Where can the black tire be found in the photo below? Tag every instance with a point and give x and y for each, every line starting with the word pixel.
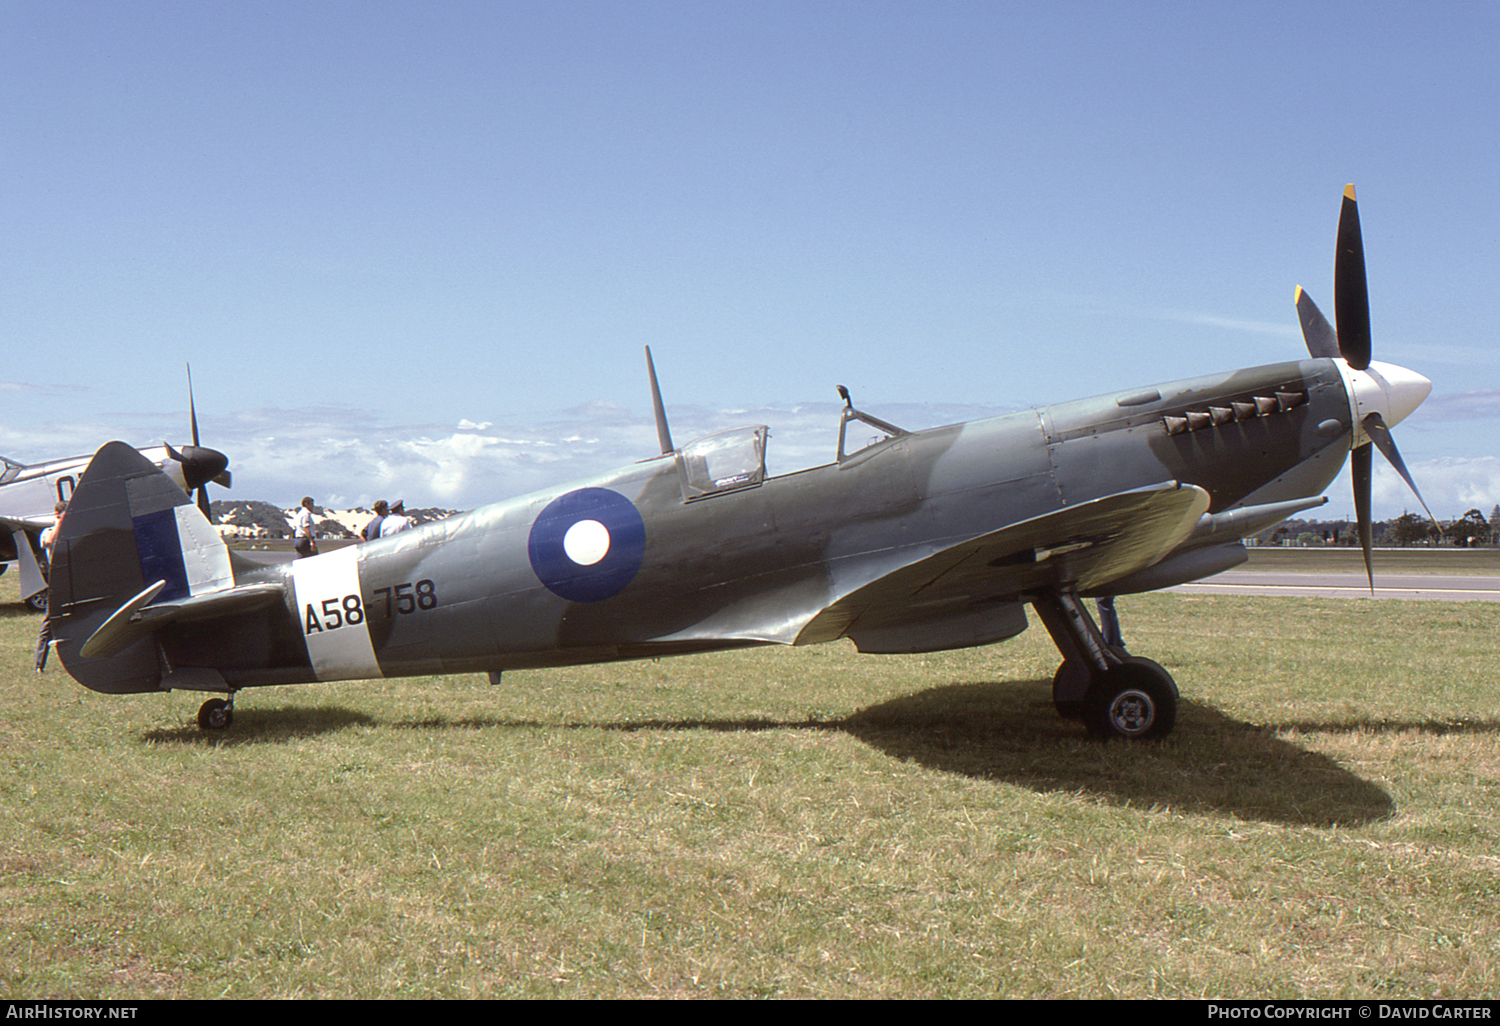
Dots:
pixel 215 714
pixel 38 602
pixel 1136 701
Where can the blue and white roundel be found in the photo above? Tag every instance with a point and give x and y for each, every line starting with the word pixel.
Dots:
pixel 586 546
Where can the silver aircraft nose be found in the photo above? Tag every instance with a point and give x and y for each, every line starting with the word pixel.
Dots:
pixel 1386 389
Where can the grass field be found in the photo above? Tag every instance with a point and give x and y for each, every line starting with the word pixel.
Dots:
pixel 799 823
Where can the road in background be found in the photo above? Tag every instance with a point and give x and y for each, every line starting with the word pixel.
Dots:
pixel 1337 585
pixel 1444 575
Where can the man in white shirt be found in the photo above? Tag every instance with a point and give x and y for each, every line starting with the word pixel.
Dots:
pixel 397 520
pixel 302 529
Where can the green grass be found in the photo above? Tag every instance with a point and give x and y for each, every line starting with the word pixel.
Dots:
pixel 798 823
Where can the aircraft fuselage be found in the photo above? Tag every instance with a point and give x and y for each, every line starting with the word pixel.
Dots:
pixel 499 588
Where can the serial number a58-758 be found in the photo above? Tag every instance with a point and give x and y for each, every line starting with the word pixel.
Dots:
pixel 350 611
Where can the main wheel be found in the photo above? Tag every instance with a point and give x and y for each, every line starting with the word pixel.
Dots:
pixel 1136 700
pixel 38 602
pixel 215 714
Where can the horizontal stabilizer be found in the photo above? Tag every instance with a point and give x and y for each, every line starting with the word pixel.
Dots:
pixel 138 618
pixel 33 524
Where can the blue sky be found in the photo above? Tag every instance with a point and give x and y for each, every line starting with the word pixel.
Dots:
pixel 416 249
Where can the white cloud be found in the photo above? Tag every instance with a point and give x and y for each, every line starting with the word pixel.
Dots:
pixel 348 457
pixel 1452 485
pixel 1474 405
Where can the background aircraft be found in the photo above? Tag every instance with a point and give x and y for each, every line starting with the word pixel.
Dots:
pixel 905 542
pixel 30 494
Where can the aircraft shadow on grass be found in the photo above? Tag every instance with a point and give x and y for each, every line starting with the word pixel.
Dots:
pixel 1006 731
pixel 268 727
pixel 1003 731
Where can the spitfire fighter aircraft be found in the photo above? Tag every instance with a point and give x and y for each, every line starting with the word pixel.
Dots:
pixel 910 542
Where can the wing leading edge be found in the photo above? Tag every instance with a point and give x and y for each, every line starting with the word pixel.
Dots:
pixel 971 592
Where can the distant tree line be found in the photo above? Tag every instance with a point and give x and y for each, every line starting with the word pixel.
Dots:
pixel 1470 530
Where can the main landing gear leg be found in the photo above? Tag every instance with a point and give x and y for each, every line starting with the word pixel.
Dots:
pixel 217 713
pixel 1114 693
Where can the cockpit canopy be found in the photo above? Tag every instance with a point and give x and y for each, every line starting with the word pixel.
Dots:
pixel 725 461
pixel 733 460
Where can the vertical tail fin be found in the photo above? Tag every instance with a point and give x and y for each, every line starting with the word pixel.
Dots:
pixel 128 530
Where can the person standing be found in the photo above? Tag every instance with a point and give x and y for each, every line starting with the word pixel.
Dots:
pixel 1109 621
pixel 44 637
pixel 302 529
pixel 372 529
pixel 398 521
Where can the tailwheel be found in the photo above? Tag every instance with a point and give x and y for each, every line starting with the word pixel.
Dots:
pixel 216 714
pixel 1136 700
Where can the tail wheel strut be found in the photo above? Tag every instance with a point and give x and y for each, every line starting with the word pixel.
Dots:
pixel 216 713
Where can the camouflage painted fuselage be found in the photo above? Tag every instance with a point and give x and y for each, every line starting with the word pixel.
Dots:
pixel 794 559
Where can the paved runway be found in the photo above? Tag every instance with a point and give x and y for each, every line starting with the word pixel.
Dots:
pixel 1332 585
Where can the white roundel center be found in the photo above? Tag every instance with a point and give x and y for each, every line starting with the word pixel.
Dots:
pixel 586 542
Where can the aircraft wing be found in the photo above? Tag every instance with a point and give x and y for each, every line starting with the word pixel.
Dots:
pixel 24 532
pixel 1085 546
pixel 31 525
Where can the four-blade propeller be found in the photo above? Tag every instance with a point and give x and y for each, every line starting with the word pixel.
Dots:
pixel 1382 393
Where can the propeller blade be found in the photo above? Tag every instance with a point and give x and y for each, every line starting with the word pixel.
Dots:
pixel 1376 429
pixel 192 410
pixel 1351 297
pixel 1359 462
pixel 1395 390
pixel 200 465
pixel 1322 341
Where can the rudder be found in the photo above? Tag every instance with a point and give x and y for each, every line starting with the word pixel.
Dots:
pixel 127 528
